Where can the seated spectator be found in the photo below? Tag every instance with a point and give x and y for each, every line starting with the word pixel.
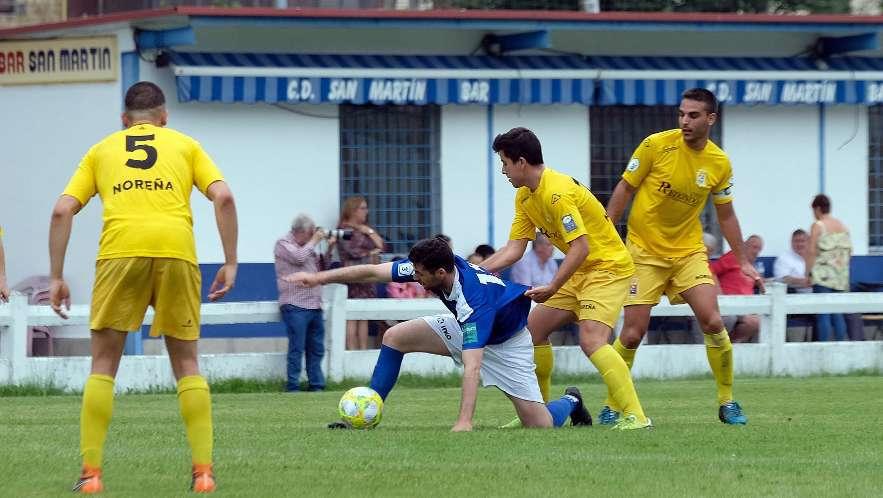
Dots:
pixel 790 266
pixel 484 250
pixel 728 273
pixel 406 290
pixel 536 267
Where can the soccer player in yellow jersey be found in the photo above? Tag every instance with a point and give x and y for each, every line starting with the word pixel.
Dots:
pixel 147 256
pixel 671 175
pixel 592 282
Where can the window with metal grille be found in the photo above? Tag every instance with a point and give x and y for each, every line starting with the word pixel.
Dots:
pixel 616 131
pixel 875 179
pixel 390 156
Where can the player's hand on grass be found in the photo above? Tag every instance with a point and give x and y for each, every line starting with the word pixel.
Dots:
pixel 541 293
pixel 462 427
pixel 59 295
pixel 224 280
pixel 303 279
pixel 750 272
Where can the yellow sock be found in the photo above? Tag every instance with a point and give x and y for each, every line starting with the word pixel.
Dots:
pixel 196 410
pixel 545 361
pixel 95 418
pixel 616 375
pixel 628 356
pixel 720 358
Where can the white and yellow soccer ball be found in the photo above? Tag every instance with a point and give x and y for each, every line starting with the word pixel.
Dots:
pixel 360 408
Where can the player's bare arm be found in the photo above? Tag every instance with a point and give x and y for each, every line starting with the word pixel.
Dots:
pixel 811 251
pixel 59 234
pixel 729 223
pixel 622 194
pixel 471 371
pixel 225 216
pixel 4 288
pixel 346 275
pixel 506 256
pixel 576 254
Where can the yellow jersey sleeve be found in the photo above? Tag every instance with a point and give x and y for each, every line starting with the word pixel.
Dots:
pixel 522 226
pixel 566 217
pixel 82 185
pixel 640 163
pixel 205 172
pixel 722 193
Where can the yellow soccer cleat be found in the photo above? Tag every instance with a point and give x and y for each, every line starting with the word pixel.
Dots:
pixel 631 422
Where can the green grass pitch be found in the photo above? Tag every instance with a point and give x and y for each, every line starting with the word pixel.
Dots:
pixel 806 437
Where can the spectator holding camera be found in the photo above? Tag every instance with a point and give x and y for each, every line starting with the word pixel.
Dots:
pixel 363 247
pixel 301 307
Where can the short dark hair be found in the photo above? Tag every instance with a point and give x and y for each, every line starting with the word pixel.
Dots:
pixel 520 142
pixel 443 237
pixel 484 250
pixel 432 254
pixel 143 96
pixel 822 202
pixel 797 232
pixel 704 96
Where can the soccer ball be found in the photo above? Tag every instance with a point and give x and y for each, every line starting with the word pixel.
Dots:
pixel 360 408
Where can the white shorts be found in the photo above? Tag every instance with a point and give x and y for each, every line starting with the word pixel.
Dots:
pixel 509 366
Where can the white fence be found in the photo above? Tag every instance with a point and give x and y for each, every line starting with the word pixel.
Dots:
pixel 771 356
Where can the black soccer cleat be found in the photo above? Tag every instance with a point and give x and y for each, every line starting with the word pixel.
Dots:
pixel 338 425
pixel 579 415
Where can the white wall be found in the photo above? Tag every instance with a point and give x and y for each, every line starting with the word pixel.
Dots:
pixel 564 133
pixel 278 163
pixel 47 130
pixel 464 153
pixel 846 169
pixel 775 156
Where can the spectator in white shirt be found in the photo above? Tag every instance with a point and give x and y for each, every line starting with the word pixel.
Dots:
pixel 790 267
pixel 537 266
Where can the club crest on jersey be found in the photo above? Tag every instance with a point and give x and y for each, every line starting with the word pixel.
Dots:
pixel 555 198
pixel 701 178
pixel 634 164
pixel 568 222
pixel 633 288
pixel 406 269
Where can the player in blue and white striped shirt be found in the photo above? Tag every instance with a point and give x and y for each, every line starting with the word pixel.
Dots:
pixel 486 333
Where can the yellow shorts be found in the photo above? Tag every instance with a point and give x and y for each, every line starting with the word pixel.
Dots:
pixel 124 287
pixel 593 295
pixel 655 275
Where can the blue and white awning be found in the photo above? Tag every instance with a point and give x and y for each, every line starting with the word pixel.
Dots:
pixel 568 79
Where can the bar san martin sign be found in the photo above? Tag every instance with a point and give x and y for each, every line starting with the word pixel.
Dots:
pixel 63 60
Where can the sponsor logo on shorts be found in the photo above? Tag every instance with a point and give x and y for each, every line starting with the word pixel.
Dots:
pixel 188 324
pixel 568 222
pixel 587 306
pixel 406 269
pixel 470 332
pixel 633 165
pixel 703 277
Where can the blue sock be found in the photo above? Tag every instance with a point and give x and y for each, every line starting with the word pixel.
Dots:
pixel 560 409
pixel 386 371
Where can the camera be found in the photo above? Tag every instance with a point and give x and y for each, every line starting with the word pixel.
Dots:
pixel 338 233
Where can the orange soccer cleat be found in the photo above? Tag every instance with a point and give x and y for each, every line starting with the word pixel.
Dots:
pixel 89 482
pixel 203 479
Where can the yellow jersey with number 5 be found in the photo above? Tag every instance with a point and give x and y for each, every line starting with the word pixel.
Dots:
pixel 563 209
pixel 144 176
pixel 673 183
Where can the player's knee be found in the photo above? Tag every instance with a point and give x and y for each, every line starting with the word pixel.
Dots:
pixel 630 337
pixel 712 323
pixel 393 337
